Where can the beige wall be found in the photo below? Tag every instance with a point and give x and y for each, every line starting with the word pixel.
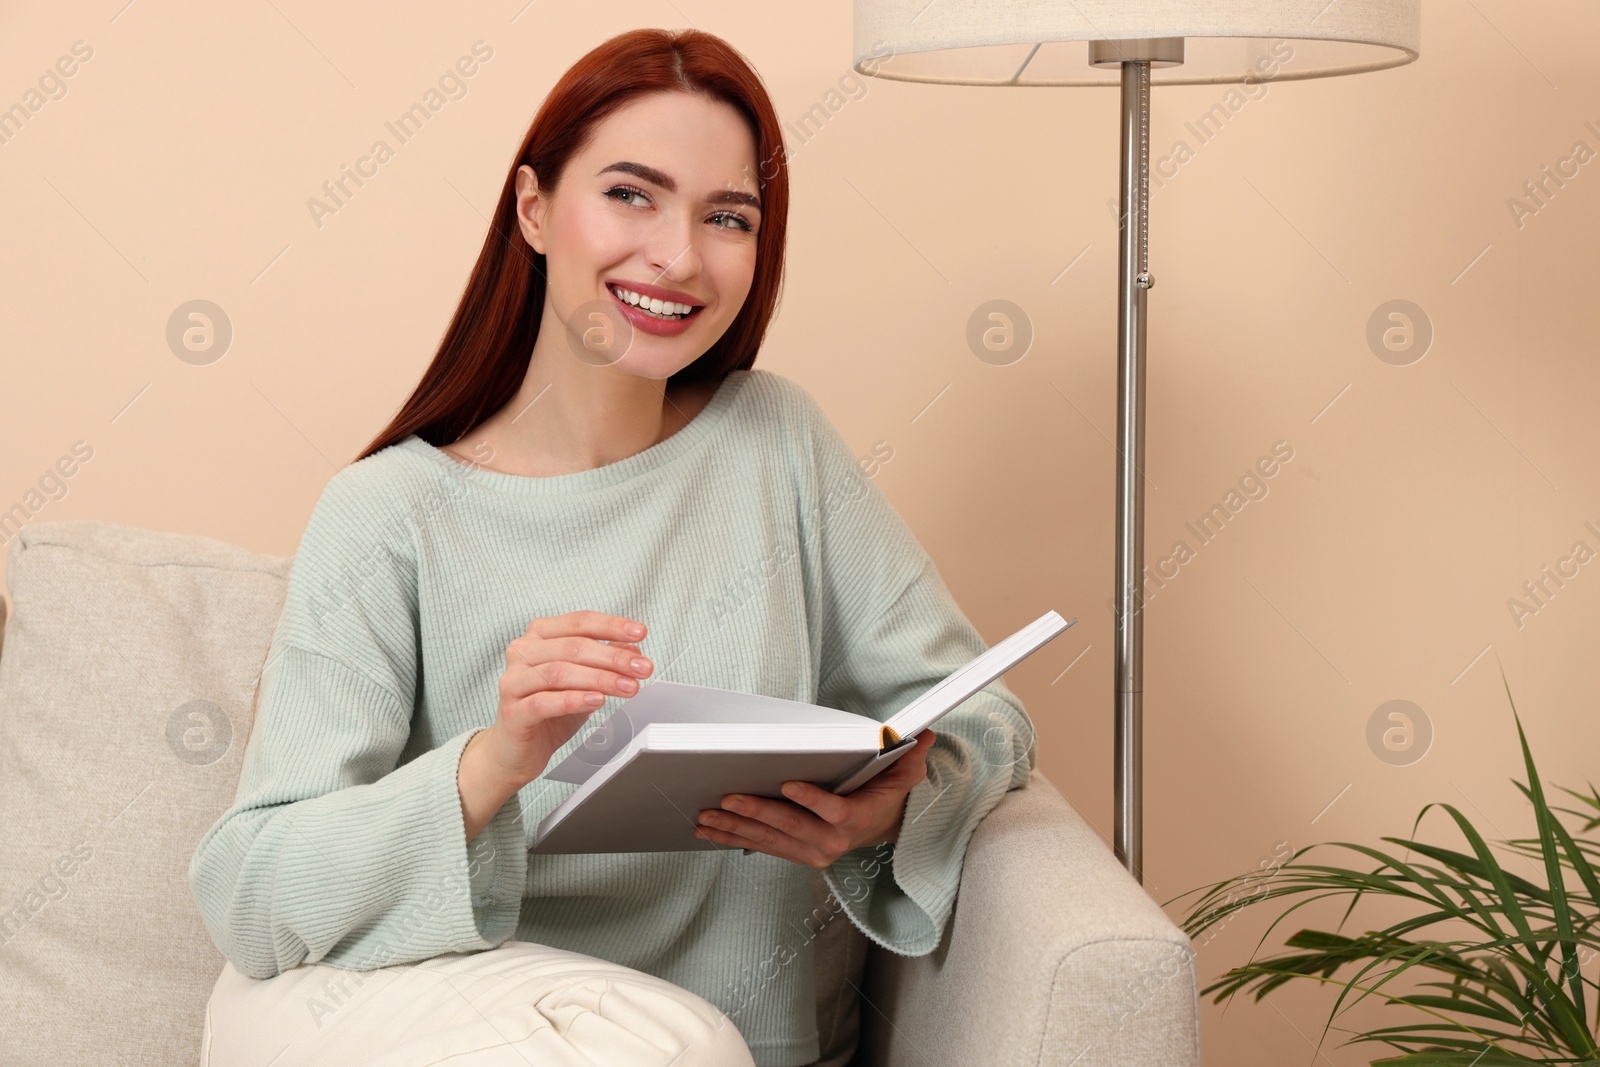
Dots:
pixel 178 166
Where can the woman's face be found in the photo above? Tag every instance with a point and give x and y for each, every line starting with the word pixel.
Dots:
pixel 660 205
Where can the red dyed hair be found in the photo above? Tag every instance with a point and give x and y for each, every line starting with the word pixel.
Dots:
pixel 484 355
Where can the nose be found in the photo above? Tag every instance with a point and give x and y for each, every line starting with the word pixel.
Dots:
pixel 672 252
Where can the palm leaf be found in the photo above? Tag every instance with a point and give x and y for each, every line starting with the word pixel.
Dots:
pixel 1511 992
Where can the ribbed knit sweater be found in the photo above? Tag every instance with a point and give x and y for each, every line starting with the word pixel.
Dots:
pixel 761 557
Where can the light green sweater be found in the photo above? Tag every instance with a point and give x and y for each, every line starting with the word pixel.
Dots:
pixel 761 557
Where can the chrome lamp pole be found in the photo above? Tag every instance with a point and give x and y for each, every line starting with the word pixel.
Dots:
pixel 1134 280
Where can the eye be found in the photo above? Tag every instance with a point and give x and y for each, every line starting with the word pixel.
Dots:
pixel 736 217
pixel 626 190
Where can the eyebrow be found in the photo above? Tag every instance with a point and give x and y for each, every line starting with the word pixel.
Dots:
pixel 665 181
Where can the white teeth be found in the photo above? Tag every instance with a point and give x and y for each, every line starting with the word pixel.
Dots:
pixel 663 309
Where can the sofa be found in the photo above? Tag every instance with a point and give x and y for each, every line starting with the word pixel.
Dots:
pixel 128 671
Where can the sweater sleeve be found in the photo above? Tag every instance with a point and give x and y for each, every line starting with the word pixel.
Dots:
pixel 333 850
pixel 888 629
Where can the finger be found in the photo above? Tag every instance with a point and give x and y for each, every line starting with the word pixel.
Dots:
pixel 592 624
pixel 739 809
pixel 909 768
pixel 552 704
pixel 830 807
pixel 725 840
pixel 573 650
pixel 740 832
pixel 748 819
pixel 904 775
pixel 726 833
pixel 917 757
pixel 523 680
pixel 756 817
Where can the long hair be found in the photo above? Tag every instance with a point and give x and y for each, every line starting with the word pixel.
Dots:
pixel 484 355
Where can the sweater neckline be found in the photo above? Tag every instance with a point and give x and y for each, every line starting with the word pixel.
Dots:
pixel 689 437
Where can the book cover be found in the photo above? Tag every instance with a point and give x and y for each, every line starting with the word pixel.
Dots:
pixel 674 749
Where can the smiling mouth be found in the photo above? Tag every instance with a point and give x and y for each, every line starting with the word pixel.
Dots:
pixel 669 311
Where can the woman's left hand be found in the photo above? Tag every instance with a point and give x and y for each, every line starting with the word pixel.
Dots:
pixel 816 827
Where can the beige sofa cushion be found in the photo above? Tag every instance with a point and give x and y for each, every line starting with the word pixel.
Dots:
pixel 127 681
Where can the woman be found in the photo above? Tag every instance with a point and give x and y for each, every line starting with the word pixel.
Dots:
pixel 591 450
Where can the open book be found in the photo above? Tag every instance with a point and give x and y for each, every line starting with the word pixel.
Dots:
pixel 646 772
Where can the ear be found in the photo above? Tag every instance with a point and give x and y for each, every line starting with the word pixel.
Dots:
pixel 531 208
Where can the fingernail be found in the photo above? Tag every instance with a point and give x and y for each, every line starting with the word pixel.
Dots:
pixel 640 665
pixel 634 630
pixel 791 790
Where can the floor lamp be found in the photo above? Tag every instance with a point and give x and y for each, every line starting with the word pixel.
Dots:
pixel 1131 45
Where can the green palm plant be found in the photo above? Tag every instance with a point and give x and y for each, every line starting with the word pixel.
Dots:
pixel 1512 992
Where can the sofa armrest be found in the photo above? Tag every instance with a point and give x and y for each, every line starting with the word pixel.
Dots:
pixel 1053 955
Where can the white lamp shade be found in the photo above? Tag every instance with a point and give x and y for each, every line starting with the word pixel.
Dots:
pixel 1044 42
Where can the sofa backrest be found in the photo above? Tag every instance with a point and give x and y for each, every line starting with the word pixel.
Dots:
pixel 127 681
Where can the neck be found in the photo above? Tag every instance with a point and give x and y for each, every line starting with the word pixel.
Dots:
pixel 570 416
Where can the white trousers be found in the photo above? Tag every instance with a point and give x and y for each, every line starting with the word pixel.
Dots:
pixel 510 1006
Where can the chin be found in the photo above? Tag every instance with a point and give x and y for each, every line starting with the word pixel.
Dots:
pixel 654 367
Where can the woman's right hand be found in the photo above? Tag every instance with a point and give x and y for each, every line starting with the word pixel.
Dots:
pixel 557 673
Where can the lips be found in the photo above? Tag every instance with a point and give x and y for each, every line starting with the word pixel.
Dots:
pixel 648 323
pixel 646 300
pixel 651 291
